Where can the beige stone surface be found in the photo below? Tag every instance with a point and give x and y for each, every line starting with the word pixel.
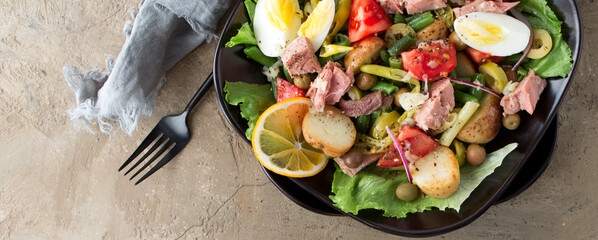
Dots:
pixel 57 182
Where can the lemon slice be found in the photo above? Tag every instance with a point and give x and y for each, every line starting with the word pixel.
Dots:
pixel 278 141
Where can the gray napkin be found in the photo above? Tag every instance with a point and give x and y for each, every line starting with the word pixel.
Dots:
pixel 162 33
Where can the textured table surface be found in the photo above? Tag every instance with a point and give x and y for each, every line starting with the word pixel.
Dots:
pixel 57 182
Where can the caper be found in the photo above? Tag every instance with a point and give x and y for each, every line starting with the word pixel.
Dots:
pixel 407 192
pixel 511 121
pixel 353 158
pixel 397 95
pixel 459 45
pixel 365 81
pixel 475 154
pixel 302 81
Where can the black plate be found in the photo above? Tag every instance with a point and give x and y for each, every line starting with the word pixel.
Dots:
pixel 231 64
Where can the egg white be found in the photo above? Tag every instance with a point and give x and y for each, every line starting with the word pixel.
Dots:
pixel 270 39
pixel 515 34
pixel 323 26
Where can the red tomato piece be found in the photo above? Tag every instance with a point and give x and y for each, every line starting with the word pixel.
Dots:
pixel 286 90
pixel 481 57
pixel 416 141
pixel 367 17
pixel 391 158
pixel 431 61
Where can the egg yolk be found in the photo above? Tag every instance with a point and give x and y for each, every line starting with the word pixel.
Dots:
pixel 481 32
pixel 282 12
pixel 311 27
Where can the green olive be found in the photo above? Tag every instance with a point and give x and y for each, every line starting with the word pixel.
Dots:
pixel 407 192
pixel 302 81
pixel 475 154
pixel 396 32
pixel 365 81
pixel 542 44
pixel 511 121
pixel 353 158
pixel 459 45
pixel 397 95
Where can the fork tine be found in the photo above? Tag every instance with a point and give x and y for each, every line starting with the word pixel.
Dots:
pixel 169 156
pixel 149 152
pixel 150 137
pixel 162 150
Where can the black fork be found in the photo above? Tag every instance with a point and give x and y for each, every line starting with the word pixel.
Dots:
pixel 169 136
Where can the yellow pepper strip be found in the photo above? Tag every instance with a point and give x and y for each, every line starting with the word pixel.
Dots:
pixel 495 76
pixel 390 73
pixel 328 50
pixel 378 130
pixel 340 17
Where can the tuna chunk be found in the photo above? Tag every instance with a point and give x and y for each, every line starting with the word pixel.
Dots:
pixel 436 109
pixel 330 85
pixel 418 6
pixel 340 84
pixel 299 58
pixel 392 6
pixel 364 106
pixel 484 6
pixel 366 160
pixel 525 96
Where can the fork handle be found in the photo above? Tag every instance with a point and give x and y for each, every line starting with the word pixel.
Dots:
pixel 207 84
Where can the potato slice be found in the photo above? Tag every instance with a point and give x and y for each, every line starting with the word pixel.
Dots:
pixel 330 130
pixel 437 174
pixel 485 123
pixel 365 51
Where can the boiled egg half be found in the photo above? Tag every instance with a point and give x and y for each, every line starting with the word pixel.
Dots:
pixel 317 25
pixel 275 25
pixel 497 34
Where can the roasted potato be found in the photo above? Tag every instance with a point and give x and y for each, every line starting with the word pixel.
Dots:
pixel 434 31
pixel 302 81
pixel 365 51
pixel 485 123
pixel 331 131
pixel 437 174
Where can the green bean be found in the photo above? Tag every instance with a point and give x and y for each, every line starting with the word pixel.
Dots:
pixel 420 21
pixel 462 97
pixel 362 123
pixel 399 18
pixel 287 75
pixel 386 88
pixel 385 57
pixel 254 53
pixel 341 39
pixel 477 93
pixel 401 45
pixel 395 62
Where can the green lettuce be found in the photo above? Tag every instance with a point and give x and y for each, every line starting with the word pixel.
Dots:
pixel 252 99
pixel 558 62
pixel 374 188
pixel 244 36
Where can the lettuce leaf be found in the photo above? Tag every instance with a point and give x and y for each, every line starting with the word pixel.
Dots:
pixel 374 188
pixel 252 99
pixel 244 36
pixel 558 62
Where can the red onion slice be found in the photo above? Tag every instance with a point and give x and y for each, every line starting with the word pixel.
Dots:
pixel 522 18
pixel 403 158
pixel 475 85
